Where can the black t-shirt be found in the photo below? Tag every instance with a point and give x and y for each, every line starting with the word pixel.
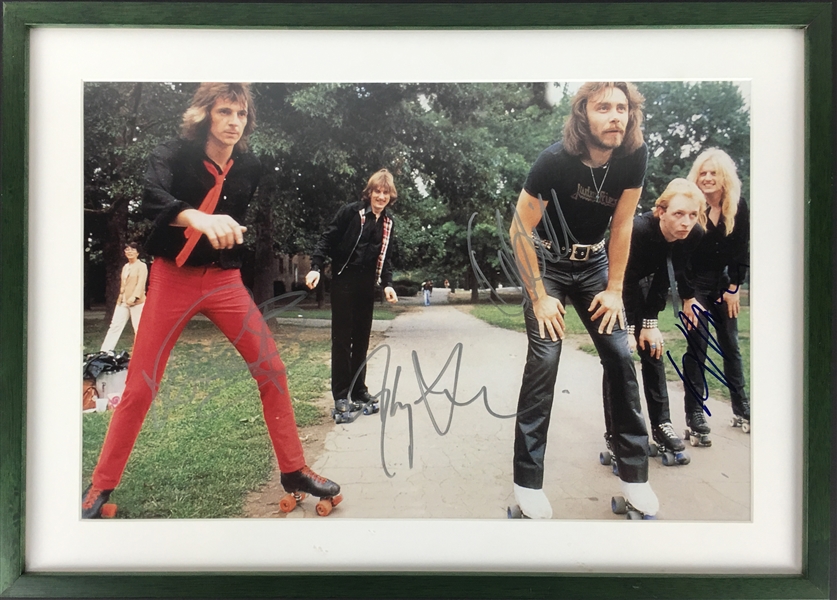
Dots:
pixel 587 212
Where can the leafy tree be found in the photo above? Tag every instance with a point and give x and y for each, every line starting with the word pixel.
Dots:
pixel 684 118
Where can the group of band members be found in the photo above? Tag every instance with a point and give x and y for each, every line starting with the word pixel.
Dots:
pixel 695 242
pixel 199 186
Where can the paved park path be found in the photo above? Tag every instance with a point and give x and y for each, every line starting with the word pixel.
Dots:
pixel 456 461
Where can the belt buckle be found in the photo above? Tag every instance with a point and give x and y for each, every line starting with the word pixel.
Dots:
pixel 580 252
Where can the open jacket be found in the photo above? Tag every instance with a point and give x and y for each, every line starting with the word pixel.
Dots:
pixel 340 238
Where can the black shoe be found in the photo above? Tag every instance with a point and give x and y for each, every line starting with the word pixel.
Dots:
pixel 305 480
pixel 92 501
pixel 697 422
pixel 363 397
pixel 344 405
pixel 742 411
pixel 664 436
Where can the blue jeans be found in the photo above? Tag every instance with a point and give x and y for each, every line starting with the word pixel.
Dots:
pixel 580 282
pixel 427 297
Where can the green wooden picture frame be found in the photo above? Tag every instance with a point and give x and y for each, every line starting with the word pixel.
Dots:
pixel 814 17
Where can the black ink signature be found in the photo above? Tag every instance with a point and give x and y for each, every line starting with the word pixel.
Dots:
pixel 742 269
pixel 390 405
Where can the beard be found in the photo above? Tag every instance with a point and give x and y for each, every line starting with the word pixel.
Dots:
pixel 602 144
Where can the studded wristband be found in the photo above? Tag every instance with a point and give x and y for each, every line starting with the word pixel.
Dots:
pixel 631 329
pixel 650 323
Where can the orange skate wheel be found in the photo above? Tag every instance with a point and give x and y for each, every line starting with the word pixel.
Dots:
pixel 337 500
pixel 108 511
pixel 287 503
pixel 324 508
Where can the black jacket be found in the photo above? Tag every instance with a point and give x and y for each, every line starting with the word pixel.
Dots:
pixel 340 238
pixel 176 179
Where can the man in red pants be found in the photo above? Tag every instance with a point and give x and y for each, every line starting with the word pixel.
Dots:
pixel 197 190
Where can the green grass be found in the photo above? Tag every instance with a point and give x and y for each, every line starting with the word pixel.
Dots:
pixel 380 313
pixel 511 317
pixel 204 443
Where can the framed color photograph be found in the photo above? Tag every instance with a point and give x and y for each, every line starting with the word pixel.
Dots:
pixel 437 438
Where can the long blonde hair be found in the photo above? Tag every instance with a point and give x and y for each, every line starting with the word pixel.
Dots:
pixel 727 176
pixel 682 187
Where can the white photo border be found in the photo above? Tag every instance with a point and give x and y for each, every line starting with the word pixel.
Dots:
pixel 62 59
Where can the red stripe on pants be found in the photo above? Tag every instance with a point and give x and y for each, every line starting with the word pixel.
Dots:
pixel 175 295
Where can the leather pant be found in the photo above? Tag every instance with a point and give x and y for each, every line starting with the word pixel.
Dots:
pixel 654 385
pixel 723 333
pixel 580 282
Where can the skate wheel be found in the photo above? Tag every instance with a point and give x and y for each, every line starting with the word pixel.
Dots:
pixel 668 459
pixel 653 450
pixel 108 511
pixel 733 422
pixel 634 515
pixel 514 512
pixel 693 440
pixel 682 458
pixel 686 435
pixel 615 468
pixel 745 427
pixel 324 508
pixel 337 500
pixel 649 517
pixel 605 457
pixel 287 503
pixel 618 505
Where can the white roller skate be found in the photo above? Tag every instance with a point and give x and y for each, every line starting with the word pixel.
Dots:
pixel 531 504
pixel 639 501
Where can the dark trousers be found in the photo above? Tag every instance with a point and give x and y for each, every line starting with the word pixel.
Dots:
pixel 352 302
pixel 725 331
pixel 579 281
pixel 654 385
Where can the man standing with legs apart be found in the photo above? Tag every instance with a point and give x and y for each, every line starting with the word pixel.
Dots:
pixel 661 245
pixel 359 243
pixel 573 190
pixel 197 190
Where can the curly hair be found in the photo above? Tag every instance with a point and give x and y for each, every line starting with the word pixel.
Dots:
pixel 577 128
pixel 380 179
pixel 197 120
pixel 726 174
pixel 682 187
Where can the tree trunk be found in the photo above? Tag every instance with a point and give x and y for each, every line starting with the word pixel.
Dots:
pixel 114 244
pixel 263 270
pixel 475 290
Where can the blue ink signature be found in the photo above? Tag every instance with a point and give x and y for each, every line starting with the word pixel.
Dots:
pixel 697 355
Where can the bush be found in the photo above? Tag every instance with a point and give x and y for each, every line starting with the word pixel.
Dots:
pixel 406 287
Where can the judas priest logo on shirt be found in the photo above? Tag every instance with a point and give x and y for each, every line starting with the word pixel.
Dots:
pixel 590 195
pixel 565 183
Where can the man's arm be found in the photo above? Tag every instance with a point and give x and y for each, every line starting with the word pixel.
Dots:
pixel 608 304
pixel 548 310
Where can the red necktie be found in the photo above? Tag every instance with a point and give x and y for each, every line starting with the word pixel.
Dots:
pixel 207 206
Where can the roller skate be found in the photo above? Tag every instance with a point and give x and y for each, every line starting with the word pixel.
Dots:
pixel 668 446
pixel 345 411
pixel 369 404
pixel 742 422
pixel 608 457
pixel 639 502
pixel 697 431
pixel 303 482
pixel 741 416
pixel 531 504
pixel 95 505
